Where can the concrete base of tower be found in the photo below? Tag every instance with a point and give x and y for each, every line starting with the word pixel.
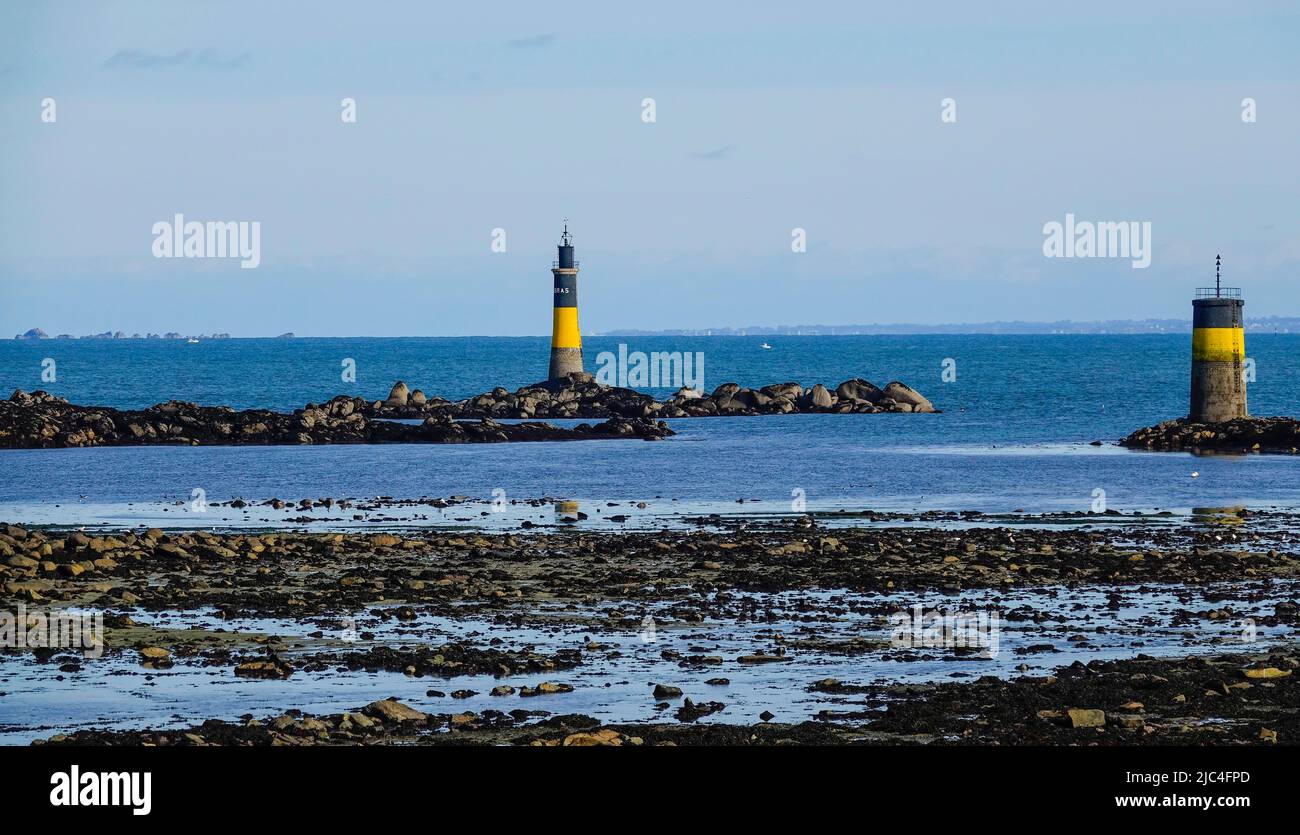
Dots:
pixel 1218 392
pixel 565 361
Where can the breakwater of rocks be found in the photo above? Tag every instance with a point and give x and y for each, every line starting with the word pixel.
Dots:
pixel 579 395
pixel 40 420
pixel 1261 434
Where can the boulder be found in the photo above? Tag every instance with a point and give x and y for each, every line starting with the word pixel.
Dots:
pixel 818 397
pixel 601 737
pixel 906 394
pixel 1087 717
pixel 740 400
pixel 417 398
pixel 391 710
pixel 859 390
pixel 399 394
pixel 724 392
pixel 790 391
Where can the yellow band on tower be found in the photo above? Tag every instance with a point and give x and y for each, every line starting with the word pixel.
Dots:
pixel 564 332
pixel 1218 344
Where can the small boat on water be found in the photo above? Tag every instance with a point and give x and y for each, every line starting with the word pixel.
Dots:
pixel 192 341
pixel 765 347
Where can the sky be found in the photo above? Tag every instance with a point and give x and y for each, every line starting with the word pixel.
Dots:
pixel 768 117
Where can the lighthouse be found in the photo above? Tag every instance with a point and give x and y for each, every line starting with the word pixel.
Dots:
pixel 1218 353
pixel 566 340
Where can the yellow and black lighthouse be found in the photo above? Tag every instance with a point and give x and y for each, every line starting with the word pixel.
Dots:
pixel 1218 353
pixel 566 340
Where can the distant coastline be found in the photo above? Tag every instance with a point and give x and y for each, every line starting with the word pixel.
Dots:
pixel 1263 324
pixel 37 333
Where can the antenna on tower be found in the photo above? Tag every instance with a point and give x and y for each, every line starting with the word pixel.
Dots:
pixel 565 238
pixel 1217 289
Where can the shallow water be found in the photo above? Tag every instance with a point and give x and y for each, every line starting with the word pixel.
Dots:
pixel 857 462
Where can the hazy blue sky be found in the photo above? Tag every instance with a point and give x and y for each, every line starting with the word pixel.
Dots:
pixel 769 116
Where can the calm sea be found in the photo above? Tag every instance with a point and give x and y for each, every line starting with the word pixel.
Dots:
pixel 1014 433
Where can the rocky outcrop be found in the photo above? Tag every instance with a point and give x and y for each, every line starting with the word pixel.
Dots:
pixel 580 396
pixel 1261 434
pixel 41 420
pixel 398 396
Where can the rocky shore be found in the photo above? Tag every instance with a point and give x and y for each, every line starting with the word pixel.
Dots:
pixel 1227 699
pixel 293 573
pixel 581 396
pixel 268 572
pixel 39 420
pixel 1259 434
pixel 435 609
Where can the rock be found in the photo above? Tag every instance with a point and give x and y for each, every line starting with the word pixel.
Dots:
pixel 269 669
pixel 726 391
pixel 398 395
pixel 546 688
pixel 762 658
pixel 690 711
pixel 589 738
pixel 667 691
pixel 417 398
pixel 1267 735
pixel 1087 718
pixel 767 716
pixel 1265 673
pixel 391 710
pixel 788 391
pixel 819 398
pixel 858 390
pixel 907 395
pixel 155 658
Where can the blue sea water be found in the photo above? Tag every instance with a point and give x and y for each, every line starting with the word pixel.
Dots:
pixel 1013 434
